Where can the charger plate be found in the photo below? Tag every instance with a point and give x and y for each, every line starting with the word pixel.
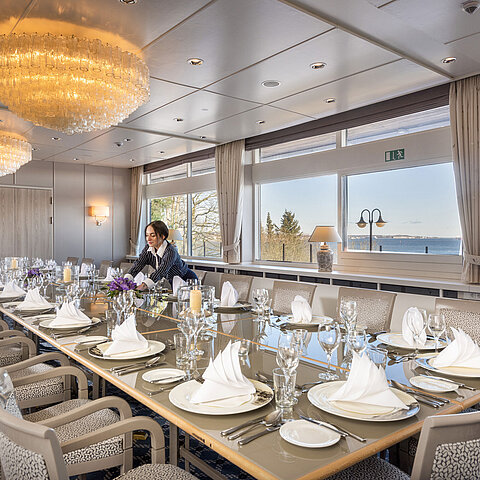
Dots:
pixel 397 340
pixel 461 372
pixel 71 326
pixel 154 348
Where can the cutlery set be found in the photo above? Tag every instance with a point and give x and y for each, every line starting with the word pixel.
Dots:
pixel 425 398
pixel 137 366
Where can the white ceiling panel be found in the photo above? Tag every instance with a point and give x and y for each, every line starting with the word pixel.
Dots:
pixel 44 136
pixel 343 53
pixel 469 45
pixel 196 110
pixel 229 35
pixel 81 155
pixel 375 85
pixel 244 124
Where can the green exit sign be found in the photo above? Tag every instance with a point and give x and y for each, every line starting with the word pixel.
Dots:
pixel 398 154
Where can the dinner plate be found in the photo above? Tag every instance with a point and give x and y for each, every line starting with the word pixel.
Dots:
pixel 433 385
pixel 40 308
pixel 90 339
pixel 397 340
pixel 308 434
pixel 163 375
pixel 154 348
pixel 461 372
pixel 318 396
pixel 72 326
pixel 181 394
pixel 316 320
pixel 11 298
pixel 238 307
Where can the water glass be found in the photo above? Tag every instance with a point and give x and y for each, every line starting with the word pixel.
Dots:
pixel 244 348
pixel 348 312
pixel 260 298
pixel 284 386
pixel 357 340
pixel 417 328
pixel 378 356
pixel 436 326
pixel 111 321
pixel 288 353
pixel 329 337
pixel 181 349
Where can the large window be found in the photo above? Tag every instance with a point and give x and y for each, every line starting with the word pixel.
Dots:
pixel 419 205
pixel 289 212
pixel 173 173
pixel 196 217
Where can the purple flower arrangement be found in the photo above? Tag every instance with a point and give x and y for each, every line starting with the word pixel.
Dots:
pixel 119 285
pixel 34 272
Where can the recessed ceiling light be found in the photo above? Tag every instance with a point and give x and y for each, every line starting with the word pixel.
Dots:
pixel 132 159
pixel 178 119
pixel 195 61
pixel 448 60
pixel 260 122
pixel 161 152
pixel 270 83
pixel 56 138
pixel 128 2
pixel 75 158
pixel 317 65
pixel 204 109
pixel 34 149
pixel 330 100
pixel 203 137
pixel 127 139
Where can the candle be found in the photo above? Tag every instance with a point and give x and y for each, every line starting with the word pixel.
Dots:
pixel 67 274
pixel 195 301
pixel 14 264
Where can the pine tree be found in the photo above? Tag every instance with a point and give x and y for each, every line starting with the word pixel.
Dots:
pixel 270 226
pixel 289 225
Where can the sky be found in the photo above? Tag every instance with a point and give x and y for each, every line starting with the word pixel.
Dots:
pixel 419 201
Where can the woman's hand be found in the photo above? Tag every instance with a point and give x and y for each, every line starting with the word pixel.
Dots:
pixel 142 287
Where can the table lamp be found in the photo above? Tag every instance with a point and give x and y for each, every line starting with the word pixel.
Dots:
pixel 174 235
pixel 325 255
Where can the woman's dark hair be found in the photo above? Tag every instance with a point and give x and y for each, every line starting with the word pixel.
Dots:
pixel 160 228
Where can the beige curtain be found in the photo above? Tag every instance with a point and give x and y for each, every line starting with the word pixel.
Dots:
pixel 465 123
pixel 229 172
pixel 135 207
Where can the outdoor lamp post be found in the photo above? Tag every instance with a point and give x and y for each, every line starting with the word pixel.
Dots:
pixel 379 223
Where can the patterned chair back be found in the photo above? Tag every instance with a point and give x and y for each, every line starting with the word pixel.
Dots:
pixel 449 448
pixel 72 260
pixel 283 294
pixel 241 283
pixel 125 267
pixel 464 314
pixel 87 261
pixel 374 308
pixel 102 273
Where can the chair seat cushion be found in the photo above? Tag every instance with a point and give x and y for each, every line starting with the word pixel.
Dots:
pixel 372 468
pixel 10 355
pixel 157 472
pixel 41 389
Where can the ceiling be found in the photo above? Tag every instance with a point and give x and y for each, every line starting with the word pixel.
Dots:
pixel 373 50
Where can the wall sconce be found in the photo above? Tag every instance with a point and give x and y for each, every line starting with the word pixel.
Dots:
pixel 100 213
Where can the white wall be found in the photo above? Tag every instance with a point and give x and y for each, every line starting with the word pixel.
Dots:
pixel 75 188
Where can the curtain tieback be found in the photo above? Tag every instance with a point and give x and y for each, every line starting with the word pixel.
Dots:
pixel 473 259
pixel 233 246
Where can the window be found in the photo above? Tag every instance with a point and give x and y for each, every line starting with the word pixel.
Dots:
pixel 289 212
pixel 173 173
pixel 304 146
pixel 415 122
pixel 202 167
pixel 419 205
pixel 203 239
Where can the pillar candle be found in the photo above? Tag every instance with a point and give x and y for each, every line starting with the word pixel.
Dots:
pixel 67 274
pixel 14 264
pixel 195 301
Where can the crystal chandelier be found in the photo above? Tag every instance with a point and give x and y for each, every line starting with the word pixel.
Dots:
pixel 15 151
pixel 70 84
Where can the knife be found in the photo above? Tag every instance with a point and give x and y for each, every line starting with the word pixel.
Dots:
pixel 341 431
pixel 137 369
pixel 224 433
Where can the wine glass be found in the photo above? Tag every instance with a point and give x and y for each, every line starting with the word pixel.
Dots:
pixel 348 312
pixel 358 340
pixel 260 298
pixel 288 357
pixel 417 326
pixel 329 337
pixel 436 326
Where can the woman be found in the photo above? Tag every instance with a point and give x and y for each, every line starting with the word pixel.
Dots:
pixel 162 256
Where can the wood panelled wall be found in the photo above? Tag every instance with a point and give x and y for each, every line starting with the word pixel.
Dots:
pixel 26 226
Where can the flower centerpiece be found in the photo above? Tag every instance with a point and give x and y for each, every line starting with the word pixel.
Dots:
pixel 34 272
pixel 119 285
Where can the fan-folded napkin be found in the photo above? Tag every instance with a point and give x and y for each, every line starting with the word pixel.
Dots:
pixel 127 339
pixel 33 299
pixel 301 310
pixel 462 352
pixel 367 384
pixel 69 314
pixel 12 290
pixel 84 269
pixel 223 378
pixel 413 318
pixel 229 295
pixel 177 282
pixel 109 276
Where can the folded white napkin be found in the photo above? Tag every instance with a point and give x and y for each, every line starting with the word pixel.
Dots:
pixel 462 352
pixel 12 290
pixel 413 317
pixel 126 339
pixel 84 269
pixel 301 310
pixel 69 314
pixel 223 378
pixel 33 299
pixel 139 278
pixel 109 277
pixel 367 384
pixel 229 295
pixel 177 283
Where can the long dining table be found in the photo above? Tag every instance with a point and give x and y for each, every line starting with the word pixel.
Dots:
pixel 269 457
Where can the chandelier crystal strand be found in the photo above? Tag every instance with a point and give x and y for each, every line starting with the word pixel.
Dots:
pixel 15 151
pixel 70 84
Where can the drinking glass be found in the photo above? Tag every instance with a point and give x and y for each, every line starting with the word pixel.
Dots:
pixel 417 328
pixel 378 356
pixel 288 357
pixel 111 321
pixel 358 340
pixel 329 337
pixel 244 348
pixel 260 298
pixel 181 349
pixel 436 326
pixel 284 386
pixel 348 312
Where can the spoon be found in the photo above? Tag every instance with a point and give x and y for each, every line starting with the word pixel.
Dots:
pixel 439 401
pixel 148 364
pixel 269 420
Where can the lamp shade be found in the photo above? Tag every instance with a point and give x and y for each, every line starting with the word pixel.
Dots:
pixel 325 234
pixel 174 235
pixel 99 211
